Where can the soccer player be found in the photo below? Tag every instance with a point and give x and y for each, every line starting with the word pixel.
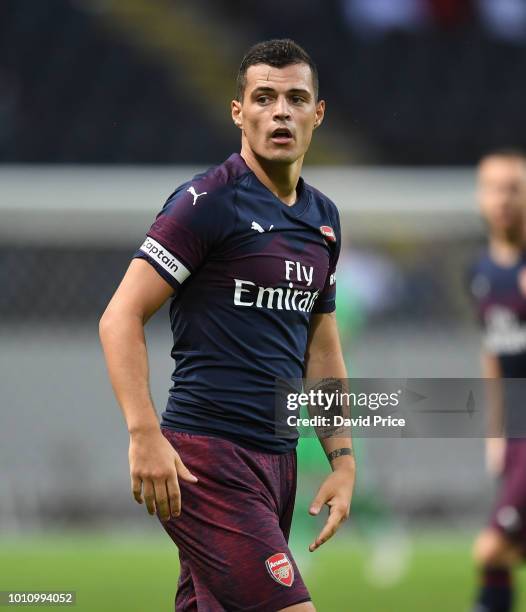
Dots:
pixel 246 252
pixel 498 285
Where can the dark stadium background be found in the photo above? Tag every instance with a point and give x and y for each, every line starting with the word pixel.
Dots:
pixel 105 106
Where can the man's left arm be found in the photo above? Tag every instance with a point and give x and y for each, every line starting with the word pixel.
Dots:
pixel 324 360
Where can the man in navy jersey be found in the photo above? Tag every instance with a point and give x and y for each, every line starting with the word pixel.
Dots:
pixel 497 283
pixel 247 253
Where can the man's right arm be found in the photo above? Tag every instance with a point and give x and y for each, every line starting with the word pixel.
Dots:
pixel 154 465
pixel 495 442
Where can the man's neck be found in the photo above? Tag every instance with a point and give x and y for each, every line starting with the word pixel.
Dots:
pixel 280 179
pixel 505 250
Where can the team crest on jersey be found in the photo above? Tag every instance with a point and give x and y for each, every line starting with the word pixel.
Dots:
pixel 328 233
pixel 280 568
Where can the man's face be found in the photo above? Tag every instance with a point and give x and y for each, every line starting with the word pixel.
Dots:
pixel 278 112
pixel 502 193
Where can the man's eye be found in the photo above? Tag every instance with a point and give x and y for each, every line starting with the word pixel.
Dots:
pixel 297 99
pixel 263 99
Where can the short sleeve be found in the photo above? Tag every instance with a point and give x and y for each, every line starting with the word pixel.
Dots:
pixel 192 222
pixel 326 301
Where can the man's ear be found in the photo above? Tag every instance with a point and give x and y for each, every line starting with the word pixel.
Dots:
pixel 237 113
pixel 320 113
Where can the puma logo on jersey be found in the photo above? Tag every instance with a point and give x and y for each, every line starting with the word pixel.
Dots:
pixel 257 227
pixel 194 194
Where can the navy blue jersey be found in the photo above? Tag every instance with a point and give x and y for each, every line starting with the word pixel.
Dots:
pixel 248 271
pixel 500 297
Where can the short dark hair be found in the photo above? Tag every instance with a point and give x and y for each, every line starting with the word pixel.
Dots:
pixel 278 52
pixel 506 152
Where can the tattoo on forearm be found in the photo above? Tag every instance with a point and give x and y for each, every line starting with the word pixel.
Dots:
pixel 339 452
pixel 330 405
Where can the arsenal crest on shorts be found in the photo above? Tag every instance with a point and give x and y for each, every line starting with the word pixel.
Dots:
pixel 328 233
pixel 280 568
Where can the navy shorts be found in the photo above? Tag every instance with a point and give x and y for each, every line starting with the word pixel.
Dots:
pixel 234 527
pixel 509 513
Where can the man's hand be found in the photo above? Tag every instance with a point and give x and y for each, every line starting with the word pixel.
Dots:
pixel 336 492
pixel 495 451
pixel 154 469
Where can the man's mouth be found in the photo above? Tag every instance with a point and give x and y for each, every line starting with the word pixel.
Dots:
pixel 281 136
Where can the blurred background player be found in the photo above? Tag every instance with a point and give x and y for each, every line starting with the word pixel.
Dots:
pixel 497 283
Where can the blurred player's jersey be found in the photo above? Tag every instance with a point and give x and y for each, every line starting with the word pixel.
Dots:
pixel 248 271
pixel 500 297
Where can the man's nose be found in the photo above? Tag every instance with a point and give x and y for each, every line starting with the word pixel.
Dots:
pixel 281 109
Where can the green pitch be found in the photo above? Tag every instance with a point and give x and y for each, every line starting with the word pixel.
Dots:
pixel 135 573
